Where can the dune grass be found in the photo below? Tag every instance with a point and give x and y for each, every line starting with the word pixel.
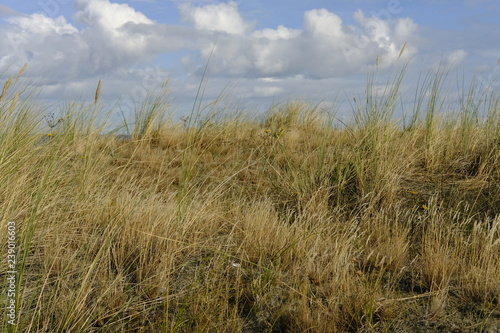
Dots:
pixel 280 224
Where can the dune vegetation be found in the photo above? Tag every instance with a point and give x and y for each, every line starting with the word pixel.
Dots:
pixel 290 222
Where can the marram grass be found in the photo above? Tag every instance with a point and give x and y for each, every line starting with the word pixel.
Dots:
pixel 286 224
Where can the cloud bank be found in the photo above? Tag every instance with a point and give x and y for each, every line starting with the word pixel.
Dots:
pixel 323 48
pixel 112 35
pixel 117 42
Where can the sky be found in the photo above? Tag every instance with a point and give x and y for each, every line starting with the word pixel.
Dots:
pixel 256 53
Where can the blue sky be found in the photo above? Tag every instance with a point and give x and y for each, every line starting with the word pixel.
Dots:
pixel 264 50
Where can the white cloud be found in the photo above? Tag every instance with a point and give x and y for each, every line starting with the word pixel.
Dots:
pixel 112 36
pixel 109 30
pixel 377 30
pixel 41 25
pixel 404 27
pixel 323 22
pixel 107 16
pixel 223 17
pixel 325 47
pixel 280 33
pixel 39 41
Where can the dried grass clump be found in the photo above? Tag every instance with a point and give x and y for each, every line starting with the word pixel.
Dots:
pixel 289 224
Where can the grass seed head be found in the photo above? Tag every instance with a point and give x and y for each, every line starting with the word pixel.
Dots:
pixel 402 50
pixel 97 92
pixel 6 87
pixel 21 71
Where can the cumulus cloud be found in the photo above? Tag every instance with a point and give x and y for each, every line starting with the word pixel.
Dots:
pixel 107 16
pixel 43 42
pixel 322 22
pixel 112 36
pixel 215 17
pixel 325 47
pixel 108 31
pixel 275 34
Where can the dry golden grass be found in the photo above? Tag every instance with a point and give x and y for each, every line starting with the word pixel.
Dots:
pixel 281 225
